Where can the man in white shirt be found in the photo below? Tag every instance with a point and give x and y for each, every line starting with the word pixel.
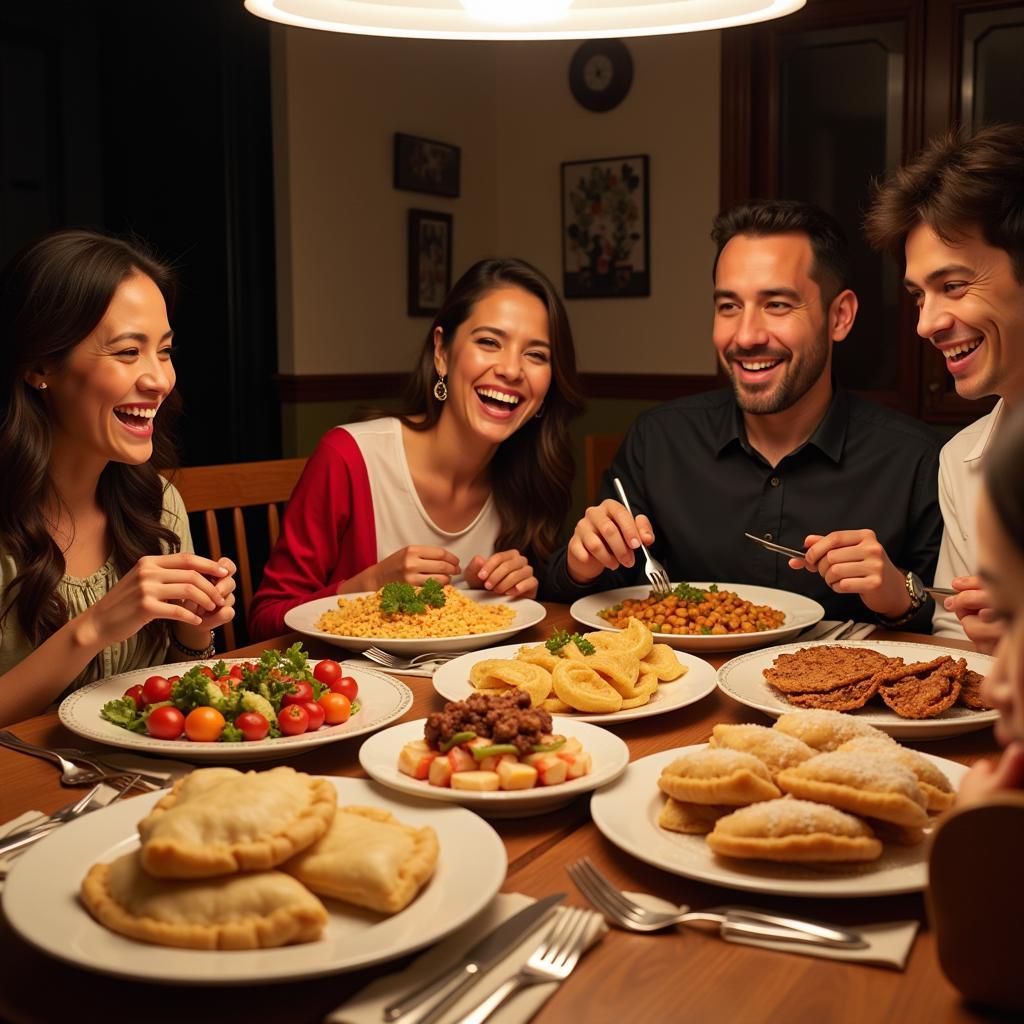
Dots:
pixel 956 213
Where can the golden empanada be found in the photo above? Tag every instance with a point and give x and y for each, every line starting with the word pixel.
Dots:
pixel 712 776
pixel 691 819
pixel 793 830
pixel 538 655
pixel 646 688
pixel 861 783
pixel 774 748
pixel 582 688
pixel 826 730
pixel 216 821
pixel 619 668
pixel 937 789
pixel 250 911
pixel 368 857
pixel 494 673
pixel 662 661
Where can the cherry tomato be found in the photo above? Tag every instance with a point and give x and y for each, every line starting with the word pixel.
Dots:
pixel 316 715
pixel 327 672
pixel 346 685
pixel 303 693
pixel 207 671
pixel 135 692
pixel 204 725
pixel 235 672
pixel 337 707
pixel 293 719
pixel 253 725
pixel 165 723
pixel 156 689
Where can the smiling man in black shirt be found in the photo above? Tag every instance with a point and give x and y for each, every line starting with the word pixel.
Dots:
pixel 785 454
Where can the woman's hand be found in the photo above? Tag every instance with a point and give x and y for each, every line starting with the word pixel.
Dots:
pixel 605 538
pixel 987 778
pixel 973 607
pixel 854 562
pixel 507 573
pixel 156 587
pixel 225 587
pixel 415 564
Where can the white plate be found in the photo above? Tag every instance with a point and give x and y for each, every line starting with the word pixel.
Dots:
pixel 379 758
pixel 451 680
pixel 800 613
pixel 742 679
pixel 304 618
pixel 41 900
pixel 381 698
pixel 627 812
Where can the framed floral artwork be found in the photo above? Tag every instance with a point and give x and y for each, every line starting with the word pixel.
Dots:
pixel 430 260
pixel 425 165
pixel 605 228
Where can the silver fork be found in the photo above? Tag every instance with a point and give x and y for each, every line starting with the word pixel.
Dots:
pixel 389 660
pixel 738 922
pixel 79 772
pixel 553 960
pixel 653 569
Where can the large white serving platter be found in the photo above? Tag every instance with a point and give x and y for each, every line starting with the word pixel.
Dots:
pixel 626 812
pixel 41 901
pixel 381 700
pixel 451 680
pixel 742 678
pixel 379 758
pixel 800 613
pixel 304 618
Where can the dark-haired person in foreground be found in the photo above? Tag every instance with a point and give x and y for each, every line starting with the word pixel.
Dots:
pixel 956 214
pixel 469 480
pixel 97 574
pixel 785 453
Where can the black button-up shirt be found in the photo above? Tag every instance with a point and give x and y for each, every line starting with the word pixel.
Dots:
pixel 689 467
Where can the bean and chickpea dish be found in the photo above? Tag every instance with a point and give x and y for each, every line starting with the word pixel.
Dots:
pixel 688 611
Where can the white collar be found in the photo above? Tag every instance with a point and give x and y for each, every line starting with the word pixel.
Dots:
pixel 988 426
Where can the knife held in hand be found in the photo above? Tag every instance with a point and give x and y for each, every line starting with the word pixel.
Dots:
pixel 415 1008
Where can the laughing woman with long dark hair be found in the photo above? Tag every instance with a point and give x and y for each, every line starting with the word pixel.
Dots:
pixel 97 574
pixel 470 479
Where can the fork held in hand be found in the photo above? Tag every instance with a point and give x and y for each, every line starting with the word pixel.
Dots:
pixel 653 569
pixel 553 960
pixel 732 922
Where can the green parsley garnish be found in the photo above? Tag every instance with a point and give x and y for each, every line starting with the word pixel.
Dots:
pixel 404 598
pixel 560 638
pixel 687 593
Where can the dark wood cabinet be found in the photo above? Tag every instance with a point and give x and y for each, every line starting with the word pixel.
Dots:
pixel 817 105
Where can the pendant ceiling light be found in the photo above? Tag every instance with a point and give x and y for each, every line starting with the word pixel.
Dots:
pixel 519 19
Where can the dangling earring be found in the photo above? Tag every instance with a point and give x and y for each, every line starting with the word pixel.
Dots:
pixel 440 389
pixel 539 413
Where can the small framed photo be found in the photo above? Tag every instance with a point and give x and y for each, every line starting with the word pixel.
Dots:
pixel 430 261
pixel 423 165
pixel 605 228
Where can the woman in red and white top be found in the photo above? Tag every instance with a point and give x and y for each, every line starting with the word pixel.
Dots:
pixel 470 479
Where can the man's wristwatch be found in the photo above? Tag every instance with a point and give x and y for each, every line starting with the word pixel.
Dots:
pixel 915 588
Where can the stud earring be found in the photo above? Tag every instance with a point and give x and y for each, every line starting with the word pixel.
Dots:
pixel 43 385
pixel 539 413
pixel 440 389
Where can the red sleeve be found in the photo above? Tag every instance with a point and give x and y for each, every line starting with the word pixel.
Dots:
pixel 327 535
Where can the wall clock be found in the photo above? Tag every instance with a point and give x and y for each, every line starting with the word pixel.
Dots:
pixel 600 74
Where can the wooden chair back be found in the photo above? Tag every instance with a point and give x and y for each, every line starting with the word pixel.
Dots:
pixel 598 452
pixel 236 486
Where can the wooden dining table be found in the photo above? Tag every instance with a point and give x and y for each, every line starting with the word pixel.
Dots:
pixel 675 975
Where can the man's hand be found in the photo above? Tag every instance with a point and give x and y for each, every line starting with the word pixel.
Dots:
pixel 605 538
pixel 986 778
pixel 973 607
pixel 854 562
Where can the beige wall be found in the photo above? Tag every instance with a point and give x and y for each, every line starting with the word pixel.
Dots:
pixel 342 227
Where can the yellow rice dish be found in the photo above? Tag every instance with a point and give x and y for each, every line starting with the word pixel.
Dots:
pixel 458 616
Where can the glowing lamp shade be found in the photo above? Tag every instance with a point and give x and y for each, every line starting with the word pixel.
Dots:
pixel 519 19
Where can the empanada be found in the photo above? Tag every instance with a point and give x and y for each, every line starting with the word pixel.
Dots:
pixel 774 748
pixel 937 789
pixel 582 688
pixel 662 661
pixel 712 776
pixel 826 730
pixel 538 655
pixel 494 673
pixel 369 858
pixel 216 821
pixel 250 911
pixel 691 819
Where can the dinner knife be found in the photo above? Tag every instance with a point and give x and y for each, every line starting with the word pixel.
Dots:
pixel 781 549
pixel 414 1008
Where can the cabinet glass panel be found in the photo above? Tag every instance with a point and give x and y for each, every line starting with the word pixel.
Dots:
pixel 992 88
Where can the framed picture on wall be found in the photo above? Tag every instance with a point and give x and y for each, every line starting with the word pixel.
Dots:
pixel 423 165
pixel 605 228
pixel 430 260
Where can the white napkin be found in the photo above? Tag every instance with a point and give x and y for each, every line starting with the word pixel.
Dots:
pixel 367 1006
pixel 889 944
pixel 103 796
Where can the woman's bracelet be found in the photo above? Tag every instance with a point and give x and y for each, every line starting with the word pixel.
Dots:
pixel 193 652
